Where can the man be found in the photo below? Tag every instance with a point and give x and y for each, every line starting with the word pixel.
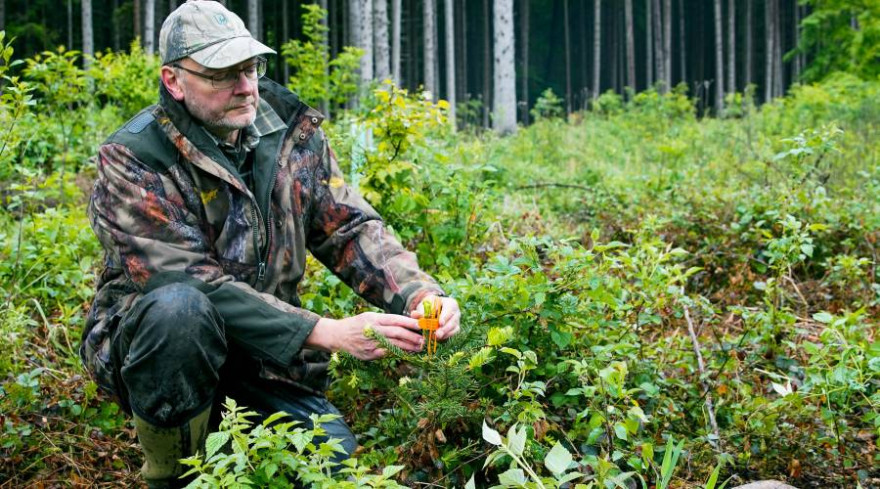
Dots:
pixel 205 205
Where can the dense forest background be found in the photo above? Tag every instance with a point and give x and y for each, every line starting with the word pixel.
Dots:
pixel 577 48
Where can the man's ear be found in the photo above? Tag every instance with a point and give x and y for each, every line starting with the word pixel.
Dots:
pixel 172 82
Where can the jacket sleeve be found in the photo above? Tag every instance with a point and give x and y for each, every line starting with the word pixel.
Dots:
pixel 347 235
pixel 148 229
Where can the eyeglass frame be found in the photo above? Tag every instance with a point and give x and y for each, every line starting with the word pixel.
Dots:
pixel 259 64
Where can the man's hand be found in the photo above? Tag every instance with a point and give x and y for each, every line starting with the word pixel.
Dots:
pixel 348 334
pixel 450 316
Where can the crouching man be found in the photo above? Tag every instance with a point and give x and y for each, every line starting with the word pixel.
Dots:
pixel 206 204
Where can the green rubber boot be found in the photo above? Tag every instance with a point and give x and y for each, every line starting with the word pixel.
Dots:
pixel 163 447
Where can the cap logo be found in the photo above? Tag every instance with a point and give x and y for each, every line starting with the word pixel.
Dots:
pixel 220 19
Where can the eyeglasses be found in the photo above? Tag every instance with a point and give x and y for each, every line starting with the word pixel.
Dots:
pixel 228 78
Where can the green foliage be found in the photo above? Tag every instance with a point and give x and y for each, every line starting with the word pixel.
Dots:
pixel 277 454
pixel 316 77
pixel 548 106
pixel 129 81
pixel 841 36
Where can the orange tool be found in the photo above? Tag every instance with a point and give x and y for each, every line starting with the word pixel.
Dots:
pixel 430 322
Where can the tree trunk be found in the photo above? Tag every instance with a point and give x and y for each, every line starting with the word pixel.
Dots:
pixel 768 54
pixel 253 18
pixel 682 41
pixel 659 61
pixel 796 65
pixel 667 42
pixel 731 46
pixel 430 47
pixel 285 35
pixel 149 26
pixel 504 113
pixel 649 44
pixel 567 41
pixel 450 61
pixel 70 24
pixel 2 15
pixel 88 33
pixel 138 26
pixel 172 6
pixel 380 40
pixel 395 41
pixel 748 49
pixel 630 45
pixel 487 64
pixel 524 40
pixel 366 36
pixel 719 61
pixel 779 79
pixel 597 45
pixel 462 59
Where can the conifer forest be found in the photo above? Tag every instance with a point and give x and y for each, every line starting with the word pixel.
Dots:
pixel 660 220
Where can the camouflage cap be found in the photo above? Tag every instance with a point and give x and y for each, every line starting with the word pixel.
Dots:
pixel 207 32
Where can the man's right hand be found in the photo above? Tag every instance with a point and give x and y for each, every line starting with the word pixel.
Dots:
pixel 348 334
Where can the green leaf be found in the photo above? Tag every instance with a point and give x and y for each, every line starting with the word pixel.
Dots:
pixel 516 440
pixel 470 484
pixel 558 459
pixel 620 430
pixel 513 478
pixel 499 336
pixel 491 435
pixel 823 317
pixel 215 442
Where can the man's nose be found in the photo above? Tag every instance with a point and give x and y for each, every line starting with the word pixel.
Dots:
pixel 244 84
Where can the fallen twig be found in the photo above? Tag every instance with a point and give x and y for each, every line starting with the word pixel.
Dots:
pixel 708 397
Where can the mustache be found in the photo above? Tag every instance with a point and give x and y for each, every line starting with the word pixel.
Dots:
pixel 242 102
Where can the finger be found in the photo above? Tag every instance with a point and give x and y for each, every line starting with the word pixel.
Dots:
pixel 450 328
pixel 397 320
pixel 400 335
pixel 450 308
pixel 404 345
pixel 374 354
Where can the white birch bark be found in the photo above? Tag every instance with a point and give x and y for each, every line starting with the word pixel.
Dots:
pixel 504 113
pixel 88 39
pixel 395 41
pixel 630 45
pixel 430 47
pixel 253 18
pixel 450 60
pixel 731 46
pixel 149 26
pixel 380 40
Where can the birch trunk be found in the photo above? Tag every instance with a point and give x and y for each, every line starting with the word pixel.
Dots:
pixel 504 113
pixel 719 61
pixel 395 41
pixel 630 45
pixel 149 26
pixel 430 47
pixel 253 18
pixel 380 40
pixel 450 61
pixel 88 39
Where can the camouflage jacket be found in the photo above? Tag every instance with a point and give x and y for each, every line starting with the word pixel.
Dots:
pixel 168 206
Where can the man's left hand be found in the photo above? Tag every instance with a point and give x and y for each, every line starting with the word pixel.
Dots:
pixel 450 316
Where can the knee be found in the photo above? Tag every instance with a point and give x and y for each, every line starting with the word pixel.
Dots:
pixel 179 312
pixel 172 348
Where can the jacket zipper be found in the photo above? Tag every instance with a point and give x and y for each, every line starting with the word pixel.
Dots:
pixel 263 254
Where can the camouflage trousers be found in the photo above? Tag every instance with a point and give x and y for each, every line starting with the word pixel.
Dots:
pixel 173 358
